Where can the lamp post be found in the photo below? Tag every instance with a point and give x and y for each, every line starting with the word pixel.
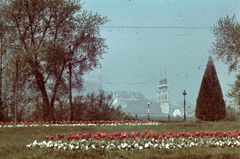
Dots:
pixel 184 94
pixel 148 109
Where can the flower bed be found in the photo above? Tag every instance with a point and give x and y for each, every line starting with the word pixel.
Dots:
pixel 125 141
pixel 77 123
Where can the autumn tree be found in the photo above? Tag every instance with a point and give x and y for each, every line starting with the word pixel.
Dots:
pixel 47 36
pixel 210 103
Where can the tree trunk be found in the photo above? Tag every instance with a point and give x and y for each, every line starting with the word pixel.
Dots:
pixel 16 92
pixel 1 102
pixel 41 86
pixel 70 93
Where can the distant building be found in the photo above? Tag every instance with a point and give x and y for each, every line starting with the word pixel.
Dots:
pixel 163 96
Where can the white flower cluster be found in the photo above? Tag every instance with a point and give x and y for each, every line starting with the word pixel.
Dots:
pixel 90 124
pixel 130 144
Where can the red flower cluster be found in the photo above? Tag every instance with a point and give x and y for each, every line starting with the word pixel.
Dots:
pixel 48 137
pixel 59 136
pixel 135 135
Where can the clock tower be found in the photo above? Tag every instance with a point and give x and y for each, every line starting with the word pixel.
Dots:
pixel 163 95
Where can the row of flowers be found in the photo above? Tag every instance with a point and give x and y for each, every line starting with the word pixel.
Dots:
pixel 76 123
pixel 135 140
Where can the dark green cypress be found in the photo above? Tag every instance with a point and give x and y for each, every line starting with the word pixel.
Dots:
pixel 210 103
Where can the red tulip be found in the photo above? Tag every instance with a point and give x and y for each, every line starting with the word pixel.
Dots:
pixel 69 138
pixel 121 137
pixel 58 136
pixel 136 138
pixel 47 137
pixel 148 136
pixel 137 134
pixel 63 135
pixel 170 133
pixel 156 136
pixel 52 137
pixel 125 134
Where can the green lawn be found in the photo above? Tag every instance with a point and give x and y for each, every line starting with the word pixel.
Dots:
pixel 13 142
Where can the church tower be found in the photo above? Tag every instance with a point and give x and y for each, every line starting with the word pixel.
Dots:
pixel 163 95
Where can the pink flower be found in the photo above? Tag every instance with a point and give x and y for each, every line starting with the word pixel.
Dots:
pixel 136 138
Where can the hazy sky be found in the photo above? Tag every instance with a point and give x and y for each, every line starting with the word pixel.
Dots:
pixel 146 37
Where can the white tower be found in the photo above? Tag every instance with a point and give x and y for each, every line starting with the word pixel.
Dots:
pixel 163 95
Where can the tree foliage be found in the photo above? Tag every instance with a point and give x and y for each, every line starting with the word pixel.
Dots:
pixel 227 48
pixel 45 36
pixel 210 103
pixel 227 44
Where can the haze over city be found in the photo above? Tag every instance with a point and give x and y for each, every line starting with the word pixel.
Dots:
pixel 145 38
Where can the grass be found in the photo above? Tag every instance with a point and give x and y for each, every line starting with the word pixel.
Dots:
pixel 13 142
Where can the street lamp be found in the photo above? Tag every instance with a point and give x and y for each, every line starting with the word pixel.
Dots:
pixel 184 94
pixel 148 109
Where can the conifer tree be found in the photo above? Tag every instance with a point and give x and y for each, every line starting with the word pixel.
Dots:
pixel 210 103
